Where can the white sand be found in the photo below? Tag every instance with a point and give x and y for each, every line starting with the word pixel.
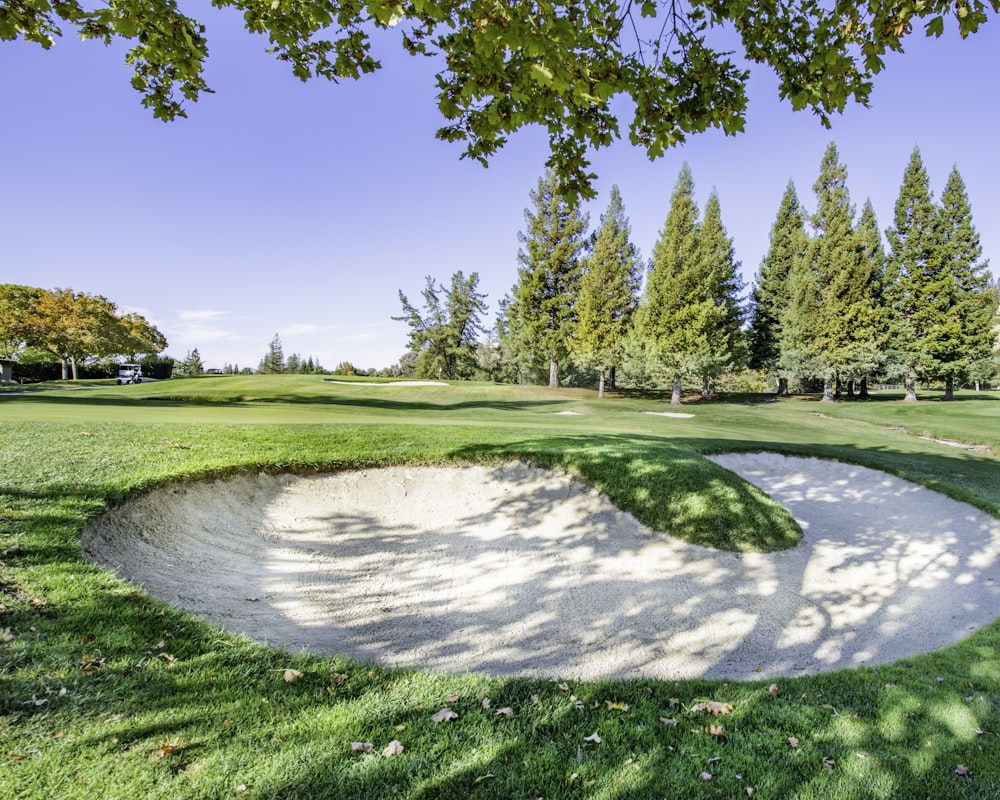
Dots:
pixel 518 571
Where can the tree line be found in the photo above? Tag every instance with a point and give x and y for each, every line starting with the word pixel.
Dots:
pixel 830 307
pixel 75 328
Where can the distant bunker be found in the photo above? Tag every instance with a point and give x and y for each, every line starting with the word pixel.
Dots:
pixel 522 571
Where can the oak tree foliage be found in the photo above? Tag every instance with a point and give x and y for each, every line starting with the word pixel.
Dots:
pixel 564 65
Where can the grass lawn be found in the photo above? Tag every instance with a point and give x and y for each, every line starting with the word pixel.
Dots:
pixel 106 692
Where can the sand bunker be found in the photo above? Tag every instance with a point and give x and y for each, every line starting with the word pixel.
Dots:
pixel 518 571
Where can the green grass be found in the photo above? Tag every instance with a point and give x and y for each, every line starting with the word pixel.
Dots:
pixel 177 709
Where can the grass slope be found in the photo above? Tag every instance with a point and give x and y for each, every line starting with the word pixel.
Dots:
pixel 106 692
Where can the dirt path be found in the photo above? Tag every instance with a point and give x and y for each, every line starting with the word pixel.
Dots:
pixel 517 571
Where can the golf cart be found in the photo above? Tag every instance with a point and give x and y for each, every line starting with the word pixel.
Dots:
pixel 129 373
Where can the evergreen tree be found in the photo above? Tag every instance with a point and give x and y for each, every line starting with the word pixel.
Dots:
pixel 192 364
pixel 871 263
pixel 718 342
pixel 274 360
pixel 665 317
pixel 963 335
pixel 293 363
pixel 443 337
pixel 542 308
pixel 913 276
pixel 770 297
pixel 609 286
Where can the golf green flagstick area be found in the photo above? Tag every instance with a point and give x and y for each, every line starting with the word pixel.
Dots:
pixel 107 691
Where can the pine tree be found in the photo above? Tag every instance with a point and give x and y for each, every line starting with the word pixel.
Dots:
pixel 542 307
pixel 443 337
pixel 665 318
pixel 609 286
pixel 913 275
pixel 718 344
pixel 770 297
pixel 294 363
pixel 871 264
pixel 274 360
pixel 963 336
pixel 192 364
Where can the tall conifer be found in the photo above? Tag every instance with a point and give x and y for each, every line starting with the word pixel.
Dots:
pixel 609 287
pixel 963 336
pixel 665 318
pixel 770 296
pixel 913 276
pixel 543 300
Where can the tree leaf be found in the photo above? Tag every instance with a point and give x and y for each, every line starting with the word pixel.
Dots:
pixel 292 675
pixel 362 747
pixel 712 707
pixel 593 738
pixel 394 748
pixel 444 715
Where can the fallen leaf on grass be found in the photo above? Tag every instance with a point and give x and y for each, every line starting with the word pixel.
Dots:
pixel 828 765
pixel 793 741
pixel 38 602
pixel 593 738
pixel 773 688
pixel 963 770
pixel 616 706
pixel 292 675
pixel 171 662
pixel 241 788
pixel 712 707
pixel 749 791
pixel 89 664
pixel 362 747
pixel 444 715
pixel 716 730
pixel 706 776
pixel 168 748
pixel 452 698
pixel 506 711
pixel 394 748
pixel 6 636
pixel 672 721
pixel 486 703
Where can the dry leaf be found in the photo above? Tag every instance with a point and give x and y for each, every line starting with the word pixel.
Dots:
pixel 668 720
pixel 444 715
pixel 452 698
pixel 593 738
pixel 394 748
pixel 773 688
pixel 400 728
pixel 168 748
pixel 716 730
pixel 712 707
pixel 616 706
pixel 89 664
pixel 37 602
pixel 241 788
pixel 963 770
pixel 564 687
pixel 534 700
pixel 793 741
pixel 749 791
pixel 337 677
pixel 507 711
pixel 6 635
pixel 292 675
pixel 706 776
pixel 362 747
pixel 486 703
pixel 828 764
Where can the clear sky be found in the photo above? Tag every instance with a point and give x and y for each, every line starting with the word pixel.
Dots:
pixel 302 209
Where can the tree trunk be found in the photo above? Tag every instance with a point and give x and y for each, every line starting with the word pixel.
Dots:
pixel 949 388
pixel 600 386
pixel 911 390
pixel 72 363
pixel 611 378
pixel 65 368
pixel 782 387
pixel 675 396
pixel 863 391
pixel 828 390
pixel 839 390
pixel 553 373
pixel 705 394
pixel 850 388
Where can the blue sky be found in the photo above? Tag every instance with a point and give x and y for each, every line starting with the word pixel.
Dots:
pixel 301 209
